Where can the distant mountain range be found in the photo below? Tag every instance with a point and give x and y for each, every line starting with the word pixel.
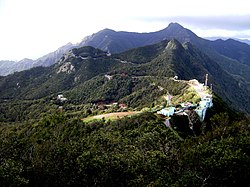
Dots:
pixel 226 38
pixel 115 42
pixel 8 67
pixel 107 40
pixel 186 55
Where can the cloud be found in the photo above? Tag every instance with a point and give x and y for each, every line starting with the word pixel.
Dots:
pixel 243 35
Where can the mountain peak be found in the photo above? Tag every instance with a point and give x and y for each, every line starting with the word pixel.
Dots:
pixel 175 26
pixel 25 60
pixel 177 31
pixel 107 30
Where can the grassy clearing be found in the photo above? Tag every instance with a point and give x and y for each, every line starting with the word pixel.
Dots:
pixel 110 116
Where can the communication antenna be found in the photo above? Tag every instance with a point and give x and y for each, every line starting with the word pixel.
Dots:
pixel 206 79
pixel 168 99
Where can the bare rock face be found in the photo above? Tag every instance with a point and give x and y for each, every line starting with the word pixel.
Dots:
pixel 67 67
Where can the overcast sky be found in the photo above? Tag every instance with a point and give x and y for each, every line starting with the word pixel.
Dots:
pixel 33 28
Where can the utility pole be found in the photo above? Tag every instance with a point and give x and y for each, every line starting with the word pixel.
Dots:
pixel 211 87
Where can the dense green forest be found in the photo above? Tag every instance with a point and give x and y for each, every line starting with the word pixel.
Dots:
pixel 136 151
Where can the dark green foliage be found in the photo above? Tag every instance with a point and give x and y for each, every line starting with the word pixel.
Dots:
pixel 41 82
pixel 102 89
pixel 57 151
pixel 143 54
pixel 19 111
pixel 136 151
pixel 180 123
pixel 222 156
pixel 134 91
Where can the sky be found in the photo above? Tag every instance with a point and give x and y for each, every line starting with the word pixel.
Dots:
pixel 33 28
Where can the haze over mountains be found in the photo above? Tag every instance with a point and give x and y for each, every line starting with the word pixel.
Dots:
pixel 8 67
pixel 226 38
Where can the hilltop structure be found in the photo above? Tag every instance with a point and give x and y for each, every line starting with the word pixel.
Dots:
pixel 206 101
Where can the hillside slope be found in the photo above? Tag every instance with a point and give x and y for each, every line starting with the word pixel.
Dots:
pixel 122 75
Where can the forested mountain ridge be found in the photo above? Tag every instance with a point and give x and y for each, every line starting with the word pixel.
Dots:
pixel 165 59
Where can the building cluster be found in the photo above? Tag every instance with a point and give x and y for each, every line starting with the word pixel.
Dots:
pixel 200 108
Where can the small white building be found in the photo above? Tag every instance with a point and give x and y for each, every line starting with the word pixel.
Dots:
pixel 61 98
pixel 169 111
pixel 206 102
pixel 109 77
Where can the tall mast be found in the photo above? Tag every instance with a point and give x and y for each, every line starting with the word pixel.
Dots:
pixel 168 99
pixel 206 79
